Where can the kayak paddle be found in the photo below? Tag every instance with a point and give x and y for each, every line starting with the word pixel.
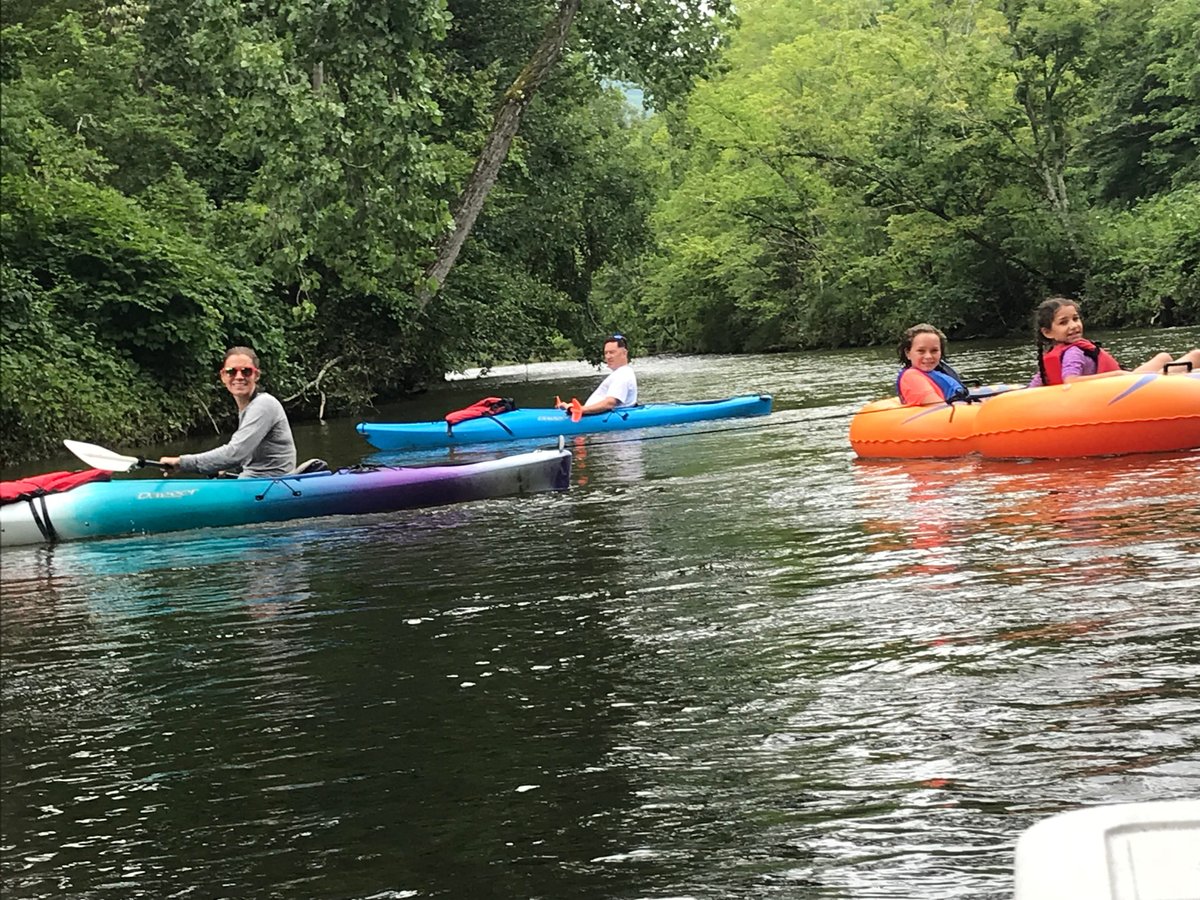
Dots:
pixel 102 458
pixel 574 409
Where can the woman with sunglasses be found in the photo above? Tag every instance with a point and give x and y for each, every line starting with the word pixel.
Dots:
pixel 262 446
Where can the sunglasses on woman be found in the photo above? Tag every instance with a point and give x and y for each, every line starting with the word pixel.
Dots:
pixel 244 371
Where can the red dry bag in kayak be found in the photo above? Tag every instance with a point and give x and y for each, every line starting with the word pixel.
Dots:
pixel 488 406
pixel 50 483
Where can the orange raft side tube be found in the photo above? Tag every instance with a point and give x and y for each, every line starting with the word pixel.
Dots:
pixel 886 430
pixel 1108 416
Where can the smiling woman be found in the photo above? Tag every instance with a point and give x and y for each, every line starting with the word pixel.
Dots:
pixel 262 446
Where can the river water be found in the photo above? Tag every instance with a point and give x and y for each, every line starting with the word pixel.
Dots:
pixel 729 663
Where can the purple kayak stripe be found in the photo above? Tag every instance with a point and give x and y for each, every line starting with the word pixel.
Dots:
pixel 1140 383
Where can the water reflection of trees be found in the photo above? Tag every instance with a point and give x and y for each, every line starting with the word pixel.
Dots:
pixel 138 673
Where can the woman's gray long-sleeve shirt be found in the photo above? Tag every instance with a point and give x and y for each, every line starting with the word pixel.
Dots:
pixel 262 444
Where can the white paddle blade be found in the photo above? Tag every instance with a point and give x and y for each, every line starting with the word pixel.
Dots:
pixel 101 457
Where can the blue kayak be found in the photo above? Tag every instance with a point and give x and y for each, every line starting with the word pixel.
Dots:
pixel 520 424
pixel 144 505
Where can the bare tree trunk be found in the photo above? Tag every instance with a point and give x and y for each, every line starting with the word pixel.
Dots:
pixel 1051 162
pixel 1039 90
pixel 495 149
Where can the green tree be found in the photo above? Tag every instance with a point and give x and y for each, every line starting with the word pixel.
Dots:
pixel 1141 138
pixel 187 176
pixel 663 44
pixel 857 167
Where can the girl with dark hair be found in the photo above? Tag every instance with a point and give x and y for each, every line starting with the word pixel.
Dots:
pixel 1064 354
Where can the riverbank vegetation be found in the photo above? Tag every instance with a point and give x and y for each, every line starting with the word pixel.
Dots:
pixel 858 167
pixel 180 177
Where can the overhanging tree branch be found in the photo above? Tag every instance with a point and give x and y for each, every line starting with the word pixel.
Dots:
pixel 495 149
pixel 315 384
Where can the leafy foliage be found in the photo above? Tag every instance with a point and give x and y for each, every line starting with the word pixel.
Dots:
pixel 857 167
pixel 179 177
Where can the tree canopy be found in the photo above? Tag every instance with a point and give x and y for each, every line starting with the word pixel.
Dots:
pixel 860 166
pixel 371 194
pixel 179 177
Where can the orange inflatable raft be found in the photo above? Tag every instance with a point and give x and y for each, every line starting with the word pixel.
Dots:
pixel 1108 416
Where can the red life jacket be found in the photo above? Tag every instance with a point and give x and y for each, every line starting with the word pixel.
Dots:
pixel 488 406
pixel 50 483
pixel 1052 360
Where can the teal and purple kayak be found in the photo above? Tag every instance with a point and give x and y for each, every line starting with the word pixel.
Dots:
pixel 521 424
pixel 146 505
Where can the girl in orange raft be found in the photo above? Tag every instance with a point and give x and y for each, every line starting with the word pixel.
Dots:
pixel 925 377
pixel 1064 354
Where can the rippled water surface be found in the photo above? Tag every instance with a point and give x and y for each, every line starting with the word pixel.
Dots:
pixel 731 663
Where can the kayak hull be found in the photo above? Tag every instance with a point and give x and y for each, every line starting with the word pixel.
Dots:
pixel 520 424
pixel 1110 416
pixel 139 506
pixel 1145 849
